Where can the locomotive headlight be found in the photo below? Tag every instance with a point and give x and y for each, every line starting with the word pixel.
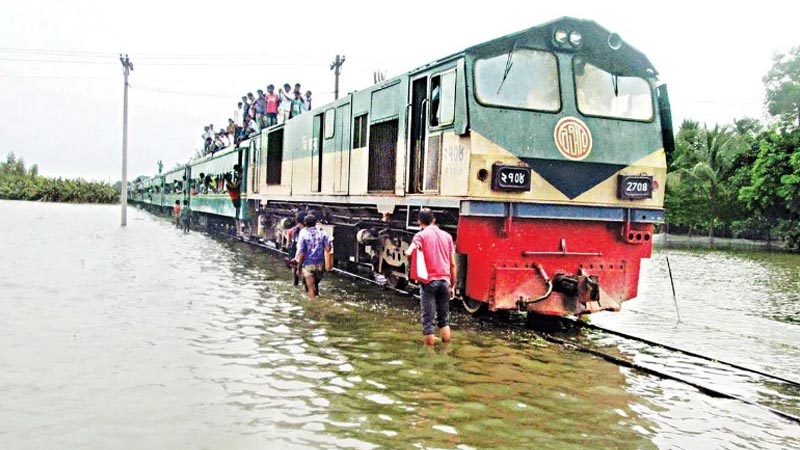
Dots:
pixel 575 38
pixel 561 36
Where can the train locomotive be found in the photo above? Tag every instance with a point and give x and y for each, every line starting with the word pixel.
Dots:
pixel 541 152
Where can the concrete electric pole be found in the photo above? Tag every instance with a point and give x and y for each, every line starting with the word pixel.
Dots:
pixel 336 67
pixel 127 67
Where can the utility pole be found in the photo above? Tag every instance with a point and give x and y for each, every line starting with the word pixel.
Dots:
pixel 336 67
pixel 127 67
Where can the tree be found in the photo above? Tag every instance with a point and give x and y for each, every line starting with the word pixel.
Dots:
pixel 763 196
pixel 782 84
pixel 703 164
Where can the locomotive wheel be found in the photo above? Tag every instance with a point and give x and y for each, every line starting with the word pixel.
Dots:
pixel 395 281
pixel 473 306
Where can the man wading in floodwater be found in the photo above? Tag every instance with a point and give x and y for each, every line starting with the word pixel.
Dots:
pixel 436 286
pixel 312 244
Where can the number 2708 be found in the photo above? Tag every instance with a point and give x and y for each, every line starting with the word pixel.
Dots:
pixel 637 186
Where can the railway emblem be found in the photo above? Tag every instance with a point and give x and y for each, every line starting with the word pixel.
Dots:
pixel 573 138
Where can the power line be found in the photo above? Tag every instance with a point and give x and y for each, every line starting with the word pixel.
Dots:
pixel 186 93
pixel 61 61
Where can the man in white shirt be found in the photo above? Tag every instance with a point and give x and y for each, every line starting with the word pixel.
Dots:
pixel 252 126
pixel 238 115
pixel 307 101
pixel 285 108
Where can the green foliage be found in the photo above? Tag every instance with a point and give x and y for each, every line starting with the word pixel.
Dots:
pixel 782 84
pixel 17 183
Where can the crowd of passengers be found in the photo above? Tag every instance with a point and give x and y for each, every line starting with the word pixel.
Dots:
pixel 255 112
pixel 203 184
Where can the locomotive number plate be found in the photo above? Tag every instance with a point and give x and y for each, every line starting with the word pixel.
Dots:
pixel 511 178
pixel 634 186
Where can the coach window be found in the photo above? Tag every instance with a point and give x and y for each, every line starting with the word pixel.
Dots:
pixel 522 78
pixel 330 119
pixel 601 93
pixel 443 98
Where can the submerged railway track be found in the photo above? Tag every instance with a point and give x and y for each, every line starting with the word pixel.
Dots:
pixel 572 341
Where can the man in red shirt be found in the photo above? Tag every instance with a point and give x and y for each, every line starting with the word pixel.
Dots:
pixel 273 100
pixel 438 251
pixel 176 213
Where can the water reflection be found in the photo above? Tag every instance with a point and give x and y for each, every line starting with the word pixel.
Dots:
pixel 146 337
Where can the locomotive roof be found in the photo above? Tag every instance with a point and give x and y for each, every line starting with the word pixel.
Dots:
pixel 625 60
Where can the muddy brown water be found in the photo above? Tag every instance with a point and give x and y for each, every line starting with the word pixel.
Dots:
pixel 144 337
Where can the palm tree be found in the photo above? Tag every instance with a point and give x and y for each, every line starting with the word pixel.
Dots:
pixel 705 160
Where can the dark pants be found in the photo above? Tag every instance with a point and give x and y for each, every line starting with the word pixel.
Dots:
pixel 434 298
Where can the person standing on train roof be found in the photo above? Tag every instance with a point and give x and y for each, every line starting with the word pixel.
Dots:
pixel 238 114
pixel 285 107
pixel 436 289
pixel 176 213
pixel 312 244
pixel 297 105
pixel 244 110
pixel 273 100
pixel 307 101
pixel 261 108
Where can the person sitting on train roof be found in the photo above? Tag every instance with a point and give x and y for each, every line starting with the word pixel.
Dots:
pixel 272 100
pixel 232 130
pixel 252 126
pixel 221 140
pixel 285 107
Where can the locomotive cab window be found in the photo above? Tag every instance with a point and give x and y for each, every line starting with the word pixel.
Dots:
pixel 443 98
pixel 522 78
pixel 601 93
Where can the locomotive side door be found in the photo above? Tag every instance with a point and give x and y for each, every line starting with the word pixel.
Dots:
pixel 431 113
pixel 417 134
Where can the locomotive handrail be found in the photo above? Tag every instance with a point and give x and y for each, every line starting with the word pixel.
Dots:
pixel 561 253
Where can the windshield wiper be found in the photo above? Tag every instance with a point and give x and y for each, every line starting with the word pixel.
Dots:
pixel 509 63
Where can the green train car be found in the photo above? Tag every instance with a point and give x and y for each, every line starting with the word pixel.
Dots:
pixel 542 152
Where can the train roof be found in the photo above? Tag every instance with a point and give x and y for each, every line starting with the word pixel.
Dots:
pixel 620 58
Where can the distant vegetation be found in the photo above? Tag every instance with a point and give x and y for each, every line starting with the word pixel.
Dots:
pixel 19 183
pixel 742 179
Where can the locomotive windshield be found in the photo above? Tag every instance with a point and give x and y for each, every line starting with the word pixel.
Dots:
pixel 523 78
pixel 601 93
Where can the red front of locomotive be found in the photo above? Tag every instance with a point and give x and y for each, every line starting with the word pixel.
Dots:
pixel 552 266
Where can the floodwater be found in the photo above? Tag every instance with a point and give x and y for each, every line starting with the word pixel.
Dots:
pixel 146 337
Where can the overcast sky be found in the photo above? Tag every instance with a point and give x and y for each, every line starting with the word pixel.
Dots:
pixel 61 80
